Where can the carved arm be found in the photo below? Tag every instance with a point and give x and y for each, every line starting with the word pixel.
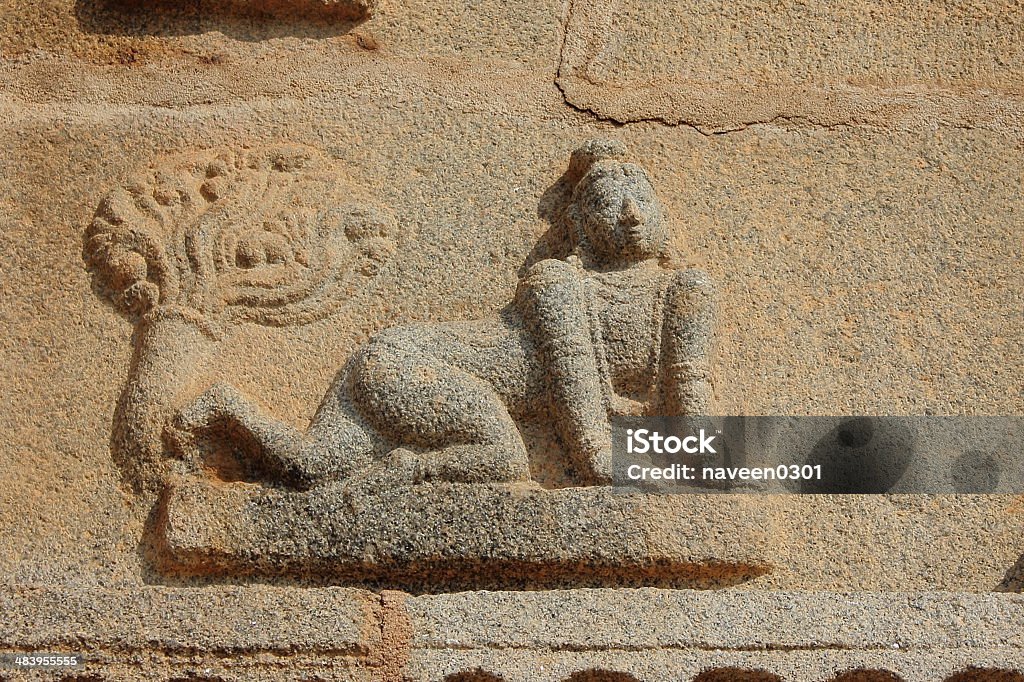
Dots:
pixel 684 380
pixel 557 315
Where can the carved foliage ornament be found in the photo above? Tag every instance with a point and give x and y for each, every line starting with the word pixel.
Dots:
pixel 269 236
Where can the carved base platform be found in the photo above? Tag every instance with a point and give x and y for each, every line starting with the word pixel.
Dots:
pixel 261 633
pixel 440 537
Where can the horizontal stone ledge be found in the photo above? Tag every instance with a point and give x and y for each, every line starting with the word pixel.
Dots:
pixel 112 16
pixel 346 621
pixel 679 64
pixel 234 633
pixel 185 621
pixel 445 537
pixel 717 108
pixel 656 619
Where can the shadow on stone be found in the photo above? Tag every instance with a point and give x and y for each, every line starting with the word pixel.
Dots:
pixel 600 676
pixel 986 675
pixel 736 675
pixel 865 675
pixel 477 675
pixel 251 20
pixel 1013 581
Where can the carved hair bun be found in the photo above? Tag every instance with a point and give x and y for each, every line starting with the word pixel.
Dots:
pixel 592 151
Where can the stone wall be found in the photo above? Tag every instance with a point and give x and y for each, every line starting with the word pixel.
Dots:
pixel 850 178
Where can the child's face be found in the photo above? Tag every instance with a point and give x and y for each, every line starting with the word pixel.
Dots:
pixel 622 217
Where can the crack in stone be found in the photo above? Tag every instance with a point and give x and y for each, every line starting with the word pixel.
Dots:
pixel 817 107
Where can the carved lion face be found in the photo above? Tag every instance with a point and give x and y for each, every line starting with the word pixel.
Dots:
pixel 620 217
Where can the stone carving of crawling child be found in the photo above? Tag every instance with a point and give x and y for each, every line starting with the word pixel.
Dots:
pixel 610 330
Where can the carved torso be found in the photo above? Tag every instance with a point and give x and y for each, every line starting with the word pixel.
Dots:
pixel 628 307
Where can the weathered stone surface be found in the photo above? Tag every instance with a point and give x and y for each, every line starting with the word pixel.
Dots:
pixel 732 65
pixel 859 215
pixel 442 537
pixel 651 635
pixel 249 619
pixel 899 309
pixel 581 620
pixel 158 633
pixel 954 45
pixel 245 633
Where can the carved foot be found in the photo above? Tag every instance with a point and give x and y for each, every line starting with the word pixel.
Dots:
pixel 222 426
pixel 186 430
pixel 190 435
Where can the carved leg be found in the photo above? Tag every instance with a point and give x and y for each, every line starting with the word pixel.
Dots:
pixel 223 414
pixel 417 400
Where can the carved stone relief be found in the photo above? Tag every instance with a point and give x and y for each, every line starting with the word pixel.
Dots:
pixel 610 330
pixel 614 328
pixel 321 318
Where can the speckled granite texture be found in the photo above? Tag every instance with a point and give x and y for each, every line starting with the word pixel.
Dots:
pixel 210 209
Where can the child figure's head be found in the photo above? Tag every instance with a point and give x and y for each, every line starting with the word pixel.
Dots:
pixel 617 219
